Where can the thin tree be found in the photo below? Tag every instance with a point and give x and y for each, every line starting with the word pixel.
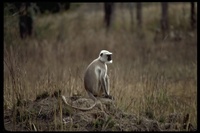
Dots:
pixel 164 19
pixel 108 9
pixel 131 15
pixel 25 20
pixel 192 17
pixel 139 14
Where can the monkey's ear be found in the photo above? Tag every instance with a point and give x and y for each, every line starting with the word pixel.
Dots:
pixel 101 54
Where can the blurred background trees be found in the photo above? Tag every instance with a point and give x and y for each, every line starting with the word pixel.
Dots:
pixel 164 29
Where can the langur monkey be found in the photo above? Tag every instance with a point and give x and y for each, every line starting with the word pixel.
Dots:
pixel 96 80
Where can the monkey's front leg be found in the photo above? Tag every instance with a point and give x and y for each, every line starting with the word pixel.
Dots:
pixel 107 86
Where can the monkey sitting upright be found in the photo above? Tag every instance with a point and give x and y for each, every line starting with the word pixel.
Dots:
pixel 96 80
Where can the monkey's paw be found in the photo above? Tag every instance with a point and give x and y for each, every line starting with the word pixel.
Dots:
pixel 110 97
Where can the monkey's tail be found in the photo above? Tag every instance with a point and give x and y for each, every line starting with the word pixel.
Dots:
pixel 82 109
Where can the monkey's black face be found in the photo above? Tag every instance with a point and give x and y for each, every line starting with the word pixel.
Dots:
pixel 105 56
pixel 109 57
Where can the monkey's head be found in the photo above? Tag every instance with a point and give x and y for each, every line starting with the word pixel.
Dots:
pixel 105 56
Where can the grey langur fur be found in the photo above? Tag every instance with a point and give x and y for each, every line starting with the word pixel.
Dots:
pixel 96 80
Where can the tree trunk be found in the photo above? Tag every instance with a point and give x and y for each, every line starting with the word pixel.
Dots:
pixel 139 14
pixel 193 20
pixel 122 15
pixel 164 19
pixel 25 21
pixel 108 9
pixel 131 15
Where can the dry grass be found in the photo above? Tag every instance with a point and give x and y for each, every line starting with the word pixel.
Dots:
pixel 147 78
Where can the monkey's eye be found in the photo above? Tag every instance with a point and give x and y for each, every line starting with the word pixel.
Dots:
pixel 109 57
pixel 101 54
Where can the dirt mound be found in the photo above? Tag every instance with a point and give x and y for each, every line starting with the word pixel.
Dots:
pixel 50 113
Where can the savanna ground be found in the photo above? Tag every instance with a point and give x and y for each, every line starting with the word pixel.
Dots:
pixel 151 79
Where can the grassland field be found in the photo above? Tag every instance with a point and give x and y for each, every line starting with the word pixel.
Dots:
pixel 147 77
